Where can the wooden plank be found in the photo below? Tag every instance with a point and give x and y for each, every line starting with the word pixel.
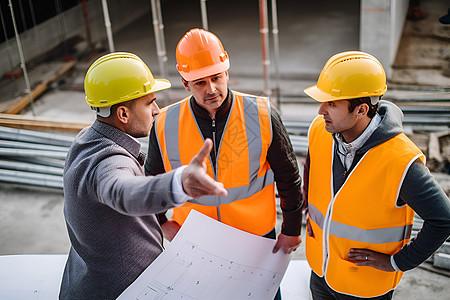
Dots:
pixel 18 105
pixel 38 123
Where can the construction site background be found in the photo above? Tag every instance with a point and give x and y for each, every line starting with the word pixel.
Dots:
pixel 31 218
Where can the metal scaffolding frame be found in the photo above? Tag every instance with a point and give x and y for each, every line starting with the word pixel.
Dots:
pixel 108 26
pixel 22 59
pixel 158 27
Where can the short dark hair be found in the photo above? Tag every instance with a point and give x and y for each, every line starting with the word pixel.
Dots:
pixel 113 108
pixel 358 101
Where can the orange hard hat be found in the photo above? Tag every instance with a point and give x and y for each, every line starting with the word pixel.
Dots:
pixel 200 54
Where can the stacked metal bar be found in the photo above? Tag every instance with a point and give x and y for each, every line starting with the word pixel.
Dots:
pixel 32 159
pixel 416 119
pixel 441 258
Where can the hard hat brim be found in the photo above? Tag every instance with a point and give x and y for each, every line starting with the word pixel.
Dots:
pixel 205 72
pixel 319 95
pixel 160 84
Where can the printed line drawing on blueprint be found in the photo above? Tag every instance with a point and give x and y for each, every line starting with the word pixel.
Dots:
pixel 211 260
pixel 202 275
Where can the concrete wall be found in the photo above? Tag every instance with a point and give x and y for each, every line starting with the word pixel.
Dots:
pixel 381 29
pixel 52 32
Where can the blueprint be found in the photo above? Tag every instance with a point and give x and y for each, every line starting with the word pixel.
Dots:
pixel 210 260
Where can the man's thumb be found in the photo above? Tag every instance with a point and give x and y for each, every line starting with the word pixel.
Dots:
pixel 204 152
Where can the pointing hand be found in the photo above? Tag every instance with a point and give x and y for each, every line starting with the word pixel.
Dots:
pixel 195 181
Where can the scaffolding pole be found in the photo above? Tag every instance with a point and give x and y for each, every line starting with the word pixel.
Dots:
pixel 22 60
pixel 204 14
pixel 8 50
pixel 87 27
pixel 62 25
pixel 35 28
pixel 158 28
pixel 108 26
pixel 264 31
pixel 276 53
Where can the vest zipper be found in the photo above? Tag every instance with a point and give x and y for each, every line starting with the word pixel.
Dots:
pixel 214 141
pixel 215 156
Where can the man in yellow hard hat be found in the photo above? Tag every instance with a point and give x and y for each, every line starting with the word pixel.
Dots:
pixel 364 180
pixel 109 204
pixel 252 149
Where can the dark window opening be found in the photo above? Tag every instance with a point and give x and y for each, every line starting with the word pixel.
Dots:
pixel 29 13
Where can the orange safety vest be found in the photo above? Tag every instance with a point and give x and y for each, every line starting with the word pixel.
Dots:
pixel 241 165
pixel 362 214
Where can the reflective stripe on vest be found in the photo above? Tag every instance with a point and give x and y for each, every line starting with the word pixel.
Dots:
pixel 246 138
pixel 373 236
pixel 362 214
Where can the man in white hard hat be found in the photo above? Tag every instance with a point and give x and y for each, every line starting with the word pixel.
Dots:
pixel 364 180
pixel 110 205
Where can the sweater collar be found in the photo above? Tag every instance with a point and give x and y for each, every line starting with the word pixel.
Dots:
pixel 121 138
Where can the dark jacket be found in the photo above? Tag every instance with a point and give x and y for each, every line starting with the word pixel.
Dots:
pixel 419 190
pixel 280 156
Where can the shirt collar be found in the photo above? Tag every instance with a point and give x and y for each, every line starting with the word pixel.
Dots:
pixel 359 142
pixel 221 111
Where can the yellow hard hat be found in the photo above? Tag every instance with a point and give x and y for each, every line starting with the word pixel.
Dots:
pixel 118 77
pixel 200 54
pixel 349 75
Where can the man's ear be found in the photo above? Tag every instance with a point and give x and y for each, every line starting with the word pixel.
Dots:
pixel 123 114
pixel 185 83
pixel 363 109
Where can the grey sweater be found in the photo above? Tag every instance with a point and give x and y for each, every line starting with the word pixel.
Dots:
pixel 110 208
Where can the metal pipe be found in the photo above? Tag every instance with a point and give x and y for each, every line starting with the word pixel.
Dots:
pixel 29 167
pixel 22 60
pixel 158 28
pixel 264 30
pixel 31 179
pixel 22 145
pixel 22 16
pixel 42 161
pixel 35 30
pixel 8 50
pixel 204 14
pixel 276 53
pixel 299 144
pixel 28 175
pixel 31 153
pixel 163 39
pixel 35 136
pixel 86 23
pixel 62 24
pixel 422 120
pixel 108 26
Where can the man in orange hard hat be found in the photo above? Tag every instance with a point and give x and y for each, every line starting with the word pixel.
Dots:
pixel 364 180
pixel 251 152
pixel 109 205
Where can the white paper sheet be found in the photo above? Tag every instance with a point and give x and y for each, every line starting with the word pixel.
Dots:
pixel 210 260
pixel 27 277
pixel 295 283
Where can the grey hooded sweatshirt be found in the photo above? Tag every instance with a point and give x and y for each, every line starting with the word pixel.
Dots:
pixel 419 190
